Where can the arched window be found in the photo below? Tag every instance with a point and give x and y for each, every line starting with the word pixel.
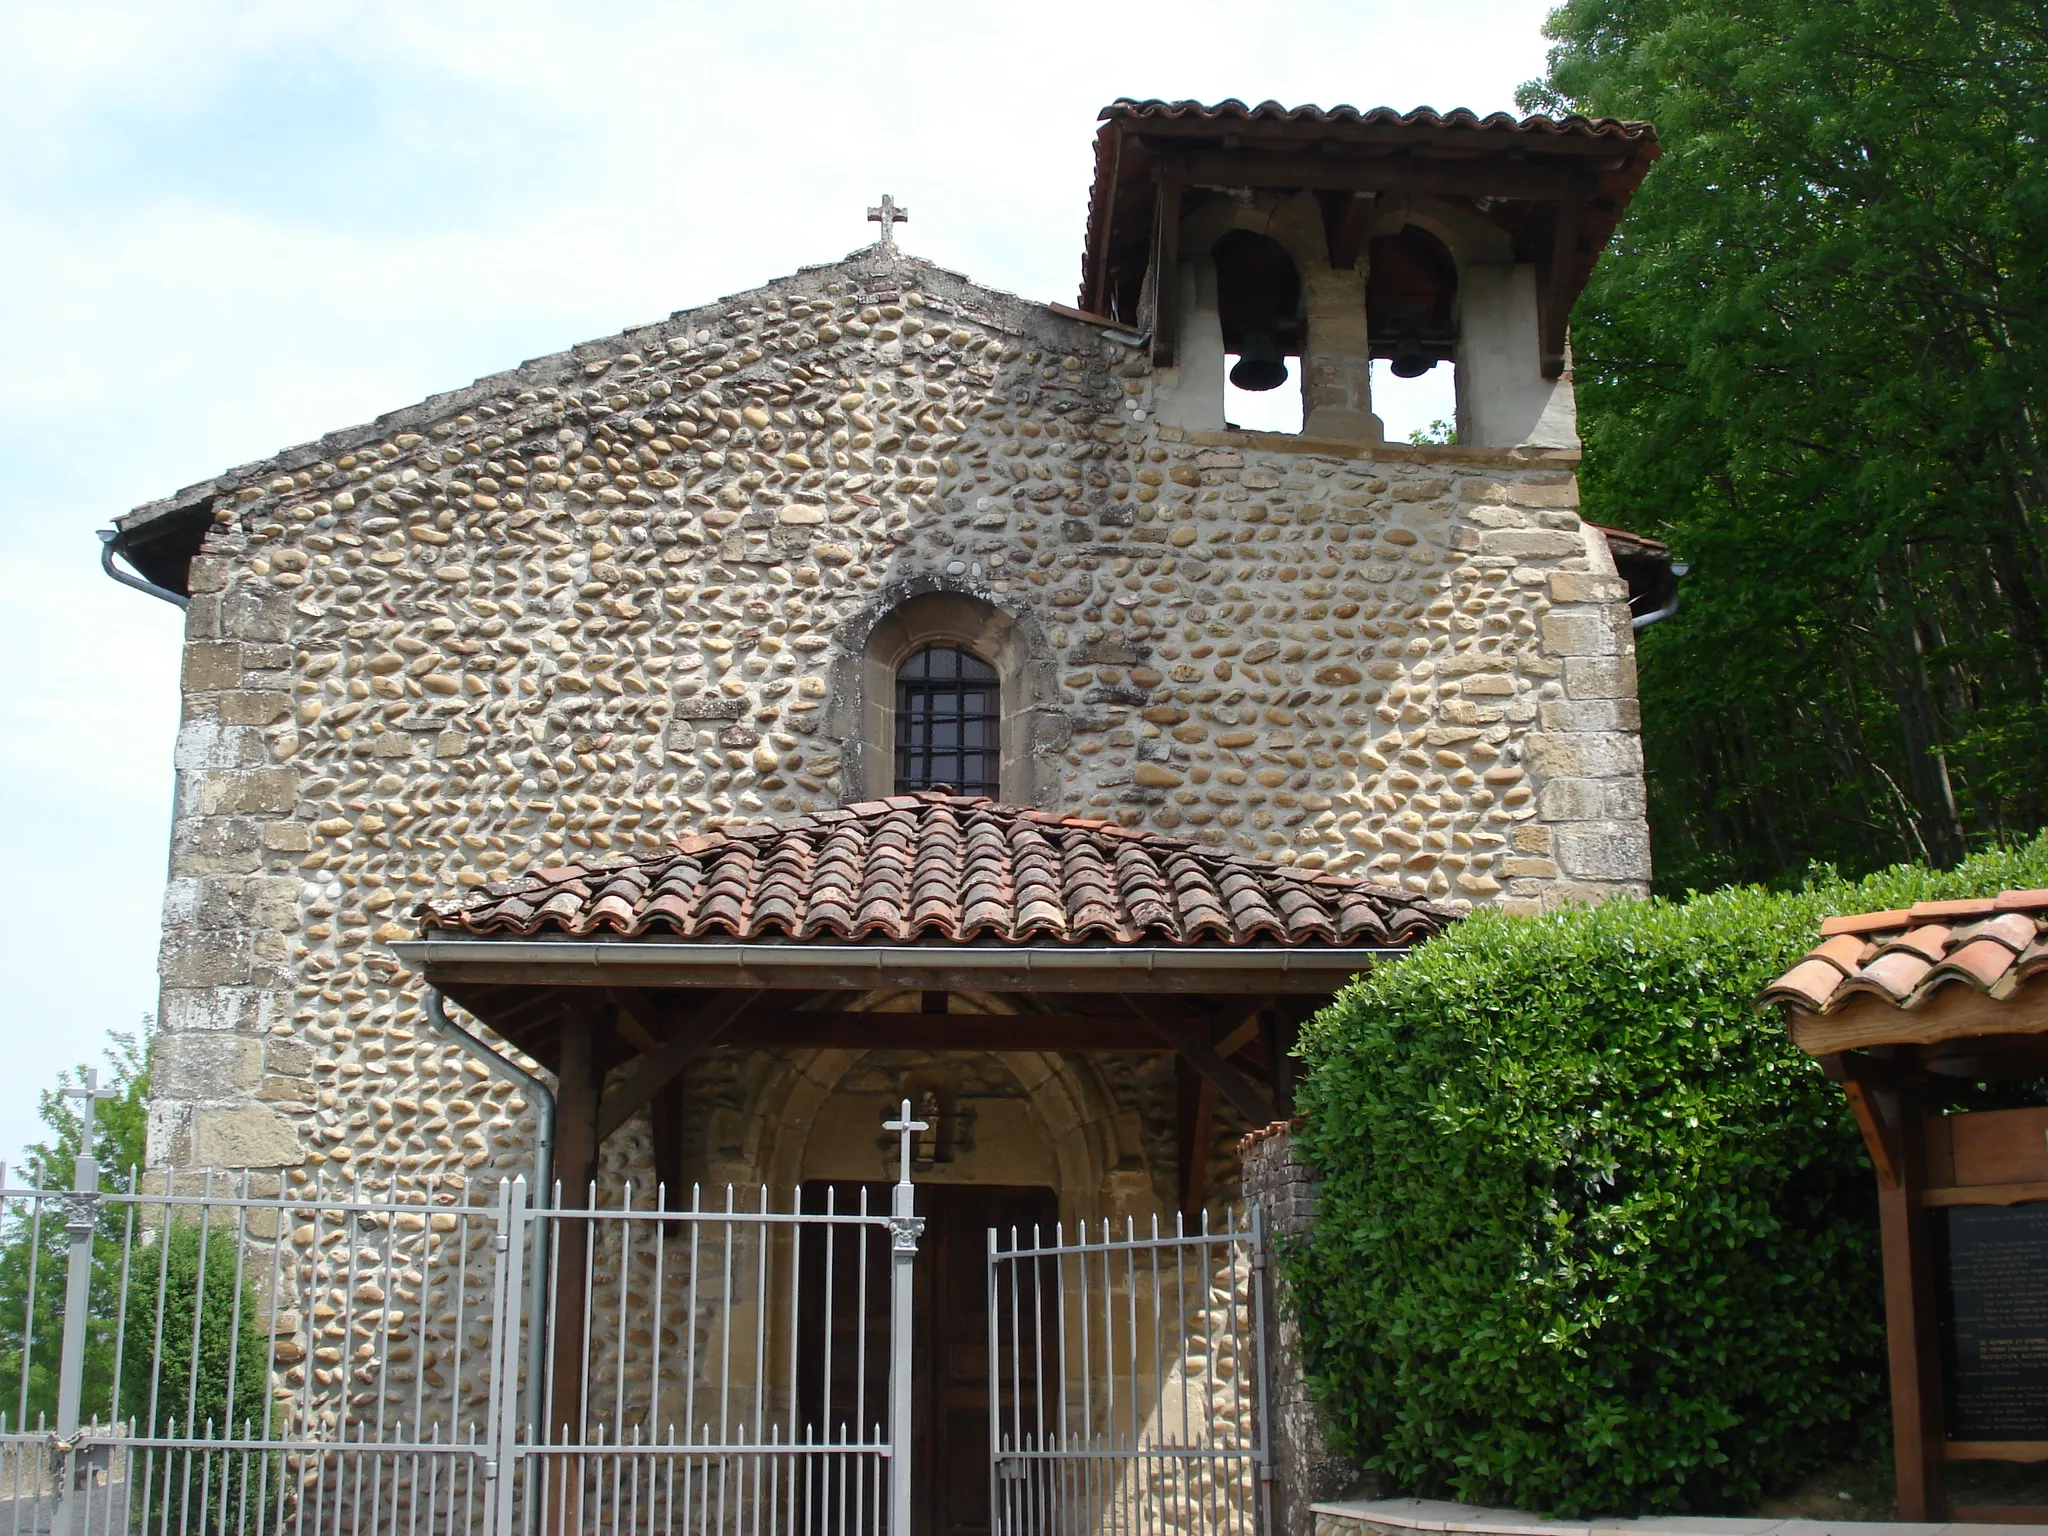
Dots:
pixel 948 722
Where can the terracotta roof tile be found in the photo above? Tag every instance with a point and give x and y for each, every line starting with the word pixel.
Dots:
pixel 1127 109
pixel 1929 943
pixel 1982 961
pixel 1894 974
pixel 1976 906
pixel 1993 944
pixel 1846 952
pixel 1863 922
pixel 948 867
pixel 1812 982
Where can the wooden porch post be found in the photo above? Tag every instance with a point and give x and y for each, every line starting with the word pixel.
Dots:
pixel 1889 1112
pixel 575 1166
pixel 1195 1124
pixel 1909 1304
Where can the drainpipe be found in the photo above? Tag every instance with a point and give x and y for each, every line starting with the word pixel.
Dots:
pixel 110 541
pixel 542 1197
pixel 1643 621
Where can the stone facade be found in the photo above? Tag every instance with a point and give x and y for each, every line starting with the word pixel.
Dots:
pixel 1305 1470
pixel 585 605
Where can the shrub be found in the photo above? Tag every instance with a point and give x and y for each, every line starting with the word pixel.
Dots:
pixel 1594 1235
pixel 196 1368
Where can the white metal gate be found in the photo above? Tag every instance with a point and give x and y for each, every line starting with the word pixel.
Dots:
pixel 714 1370
pixel 218 1358
pixel 441 1358
pixel 1128 1382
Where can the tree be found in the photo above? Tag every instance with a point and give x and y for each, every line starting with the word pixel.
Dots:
pixel 174 1339
pixel 1814 359
pixel 34 1247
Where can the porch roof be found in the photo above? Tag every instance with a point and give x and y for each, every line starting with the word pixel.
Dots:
pixel 942 869
pixel 920 922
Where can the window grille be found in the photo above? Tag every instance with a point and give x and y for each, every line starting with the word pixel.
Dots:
pixel 948 711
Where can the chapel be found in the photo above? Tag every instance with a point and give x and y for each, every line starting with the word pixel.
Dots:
pixel 874 686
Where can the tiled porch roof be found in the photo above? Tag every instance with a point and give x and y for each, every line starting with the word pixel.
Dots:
pixel 948 868
pixel 1904 958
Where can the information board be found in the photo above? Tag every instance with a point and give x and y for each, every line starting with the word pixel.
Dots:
pixel 1995 1321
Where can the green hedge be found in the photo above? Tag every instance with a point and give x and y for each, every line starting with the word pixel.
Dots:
pixel 197 1367
pixel 1594 1236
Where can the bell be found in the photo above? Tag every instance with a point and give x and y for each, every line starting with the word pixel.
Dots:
pixel 1259 365
pixel 1410 361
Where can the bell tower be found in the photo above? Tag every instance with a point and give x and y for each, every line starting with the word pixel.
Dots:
pixel 1306 244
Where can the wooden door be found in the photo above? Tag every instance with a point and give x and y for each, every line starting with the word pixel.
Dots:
pixel 953 1450
pixel 949 1415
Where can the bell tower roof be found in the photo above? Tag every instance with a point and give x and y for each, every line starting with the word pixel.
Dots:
pixel 1556 187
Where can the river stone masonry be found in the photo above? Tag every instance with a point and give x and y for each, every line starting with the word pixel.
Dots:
pixel 586 605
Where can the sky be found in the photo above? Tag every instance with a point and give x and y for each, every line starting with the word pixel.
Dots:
pixel 230 228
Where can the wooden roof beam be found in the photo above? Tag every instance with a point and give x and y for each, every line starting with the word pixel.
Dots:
pixel 1491 141
pixel 1193 1043
pixel 691 1036
pixel 1443 178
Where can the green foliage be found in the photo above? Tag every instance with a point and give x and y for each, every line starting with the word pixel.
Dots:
pixel 199 1358
pixel 1815 358
pixel 33 1245
pixel 1436 434
pixel 194 1366
pixel 1594 1235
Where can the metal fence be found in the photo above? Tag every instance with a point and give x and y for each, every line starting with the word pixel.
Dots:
pixel 211 1357
pixel 198 1355
pixel 1131 1371
pixel 240 1356
pixel 717 1370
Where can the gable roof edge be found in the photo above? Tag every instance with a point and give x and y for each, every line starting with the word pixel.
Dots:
pixel 559 369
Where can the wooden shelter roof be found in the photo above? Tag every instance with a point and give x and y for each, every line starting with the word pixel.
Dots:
pixel 1931 975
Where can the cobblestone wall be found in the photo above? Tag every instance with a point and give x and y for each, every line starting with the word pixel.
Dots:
pixel 1305 1470
pixel 574 609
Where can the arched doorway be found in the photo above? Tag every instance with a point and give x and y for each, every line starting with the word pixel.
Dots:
pixel 986 1160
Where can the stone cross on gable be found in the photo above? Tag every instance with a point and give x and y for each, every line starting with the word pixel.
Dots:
pixel 888 216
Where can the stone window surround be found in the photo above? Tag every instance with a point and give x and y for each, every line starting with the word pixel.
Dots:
pixel 933 610
pixel 1503 401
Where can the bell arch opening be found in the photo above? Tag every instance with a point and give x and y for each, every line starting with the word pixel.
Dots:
pixel 1411 309
pixel 1265 334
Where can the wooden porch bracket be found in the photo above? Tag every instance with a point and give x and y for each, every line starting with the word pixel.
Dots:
pixel 691 1037
pixel 1871 1087
pixel 1193 1043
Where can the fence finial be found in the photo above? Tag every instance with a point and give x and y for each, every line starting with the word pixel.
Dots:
pixel 906 1130
pixel 92 1093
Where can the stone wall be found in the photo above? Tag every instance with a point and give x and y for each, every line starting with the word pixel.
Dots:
pixel 1305 1470
pixel 577 608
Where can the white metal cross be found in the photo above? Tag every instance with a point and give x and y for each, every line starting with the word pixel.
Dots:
pixel 906 1128
pixel 92 1093
pixel 888 215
